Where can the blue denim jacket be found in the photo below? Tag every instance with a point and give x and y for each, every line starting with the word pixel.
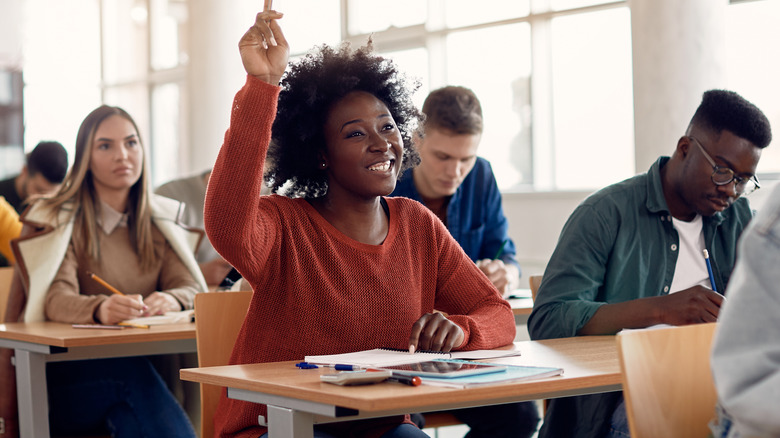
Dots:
pixel 746 348
pixel 475 217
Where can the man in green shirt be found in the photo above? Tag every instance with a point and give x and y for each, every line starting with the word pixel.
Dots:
pixel 631 255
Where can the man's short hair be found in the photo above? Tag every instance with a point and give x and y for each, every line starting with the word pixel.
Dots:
pixel 454 109
pixel 50 159
pixel 722 109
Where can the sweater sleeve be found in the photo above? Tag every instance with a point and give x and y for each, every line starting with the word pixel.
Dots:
pixel 470 299
pixel 231 216
pixel 176 279
pixel 64 301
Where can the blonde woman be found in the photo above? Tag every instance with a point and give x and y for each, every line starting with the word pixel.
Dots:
pixel 104 220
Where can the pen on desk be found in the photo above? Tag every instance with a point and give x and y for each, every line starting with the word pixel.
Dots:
pixel 500 250
pixel 406 380
pixel 103 282
pixel 337 367
pixel 709 270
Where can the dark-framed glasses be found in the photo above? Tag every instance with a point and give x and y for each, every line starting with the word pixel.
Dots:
pixel 722 176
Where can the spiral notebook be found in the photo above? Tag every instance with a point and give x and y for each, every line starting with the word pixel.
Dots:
pixel 380 357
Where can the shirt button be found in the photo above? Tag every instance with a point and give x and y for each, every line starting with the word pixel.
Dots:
pixel 674 247
pixel 666 289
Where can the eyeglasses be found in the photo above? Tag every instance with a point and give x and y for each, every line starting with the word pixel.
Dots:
pixel 722 176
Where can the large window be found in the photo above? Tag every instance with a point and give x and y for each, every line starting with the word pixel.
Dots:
pixel 61 69
pixel 753 66
pixel 554 81
pixel 554 76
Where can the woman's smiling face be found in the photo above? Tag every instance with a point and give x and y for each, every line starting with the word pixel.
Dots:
pixel 364 147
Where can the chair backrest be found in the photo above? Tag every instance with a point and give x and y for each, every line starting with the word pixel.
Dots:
pixel 534 281
pixel 218 319
pixel 667 382
pixel 6 276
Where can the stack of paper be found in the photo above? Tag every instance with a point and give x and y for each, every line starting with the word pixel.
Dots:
pixel 167 318
pixel 380 357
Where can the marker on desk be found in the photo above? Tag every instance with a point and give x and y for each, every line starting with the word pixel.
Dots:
pixel 709 270
pixel 500 250
pixel 406 380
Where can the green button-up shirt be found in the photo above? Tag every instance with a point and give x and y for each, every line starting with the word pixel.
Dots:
pixel 620 245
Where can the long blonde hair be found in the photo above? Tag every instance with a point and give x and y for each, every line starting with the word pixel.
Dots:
pixel 77 196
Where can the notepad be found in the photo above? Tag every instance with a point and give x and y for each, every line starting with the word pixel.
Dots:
pixel 166 318
pixel 379 357
pixel 512 373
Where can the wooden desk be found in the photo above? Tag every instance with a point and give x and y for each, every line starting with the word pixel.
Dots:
pixel 297 399
pixel 38 343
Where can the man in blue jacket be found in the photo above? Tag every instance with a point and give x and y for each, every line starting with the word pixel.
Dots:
pixel 632 254
pixel 459 186
pixel 460 189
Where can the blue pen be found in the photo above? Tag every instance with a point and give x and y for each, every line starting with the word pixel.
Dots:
pixel 338 366
pixel 709 270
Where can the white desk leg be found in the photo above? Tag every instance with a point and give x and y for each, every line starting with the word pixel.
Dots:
pixel 284 422
pixel 31 393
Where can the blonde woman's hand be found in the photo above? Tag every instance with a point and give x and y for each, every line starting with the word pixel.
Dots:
pixel 264 49
pixel 118 308
pixel 161 302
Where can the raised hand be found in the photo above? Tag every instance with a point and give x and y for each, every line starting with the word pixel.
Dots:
pixel 264 49
pixel 433 331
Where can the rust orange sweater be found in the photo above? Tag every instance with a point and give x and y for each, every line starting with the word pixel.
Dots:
pixel 318 291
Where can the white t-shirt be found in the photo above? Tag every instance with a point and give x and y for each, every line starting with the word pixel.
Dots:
pixel 691 268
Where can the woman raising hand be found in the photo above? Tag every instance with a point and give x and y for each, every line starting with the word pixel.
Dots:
pixel 336 266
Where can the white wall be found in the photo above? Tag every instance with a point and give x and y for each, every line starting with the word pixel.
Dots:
pixel 535 221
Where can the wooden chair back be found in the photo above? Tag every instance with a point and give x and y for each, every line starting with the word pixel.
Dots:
pixel 218 319
pixel 667 381
pixel 534 281
pixel 6 277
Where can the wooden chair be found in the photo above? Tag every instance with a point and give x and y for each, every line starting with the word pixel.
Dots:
pixel 667 382
pixel 6 276
pixel 218 318
pixel 534 281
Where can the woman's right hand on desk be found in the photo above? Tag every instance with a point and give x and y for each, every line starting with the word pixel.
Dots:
pixel 118 308
pixel 434 332
pixel 264 50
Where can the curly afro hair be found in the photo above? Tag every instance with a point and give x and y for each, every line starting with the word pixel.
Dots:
pixel 309 88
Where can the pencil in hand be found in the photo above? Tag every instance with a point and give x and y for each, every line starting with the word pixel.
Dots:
pixel 104 283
